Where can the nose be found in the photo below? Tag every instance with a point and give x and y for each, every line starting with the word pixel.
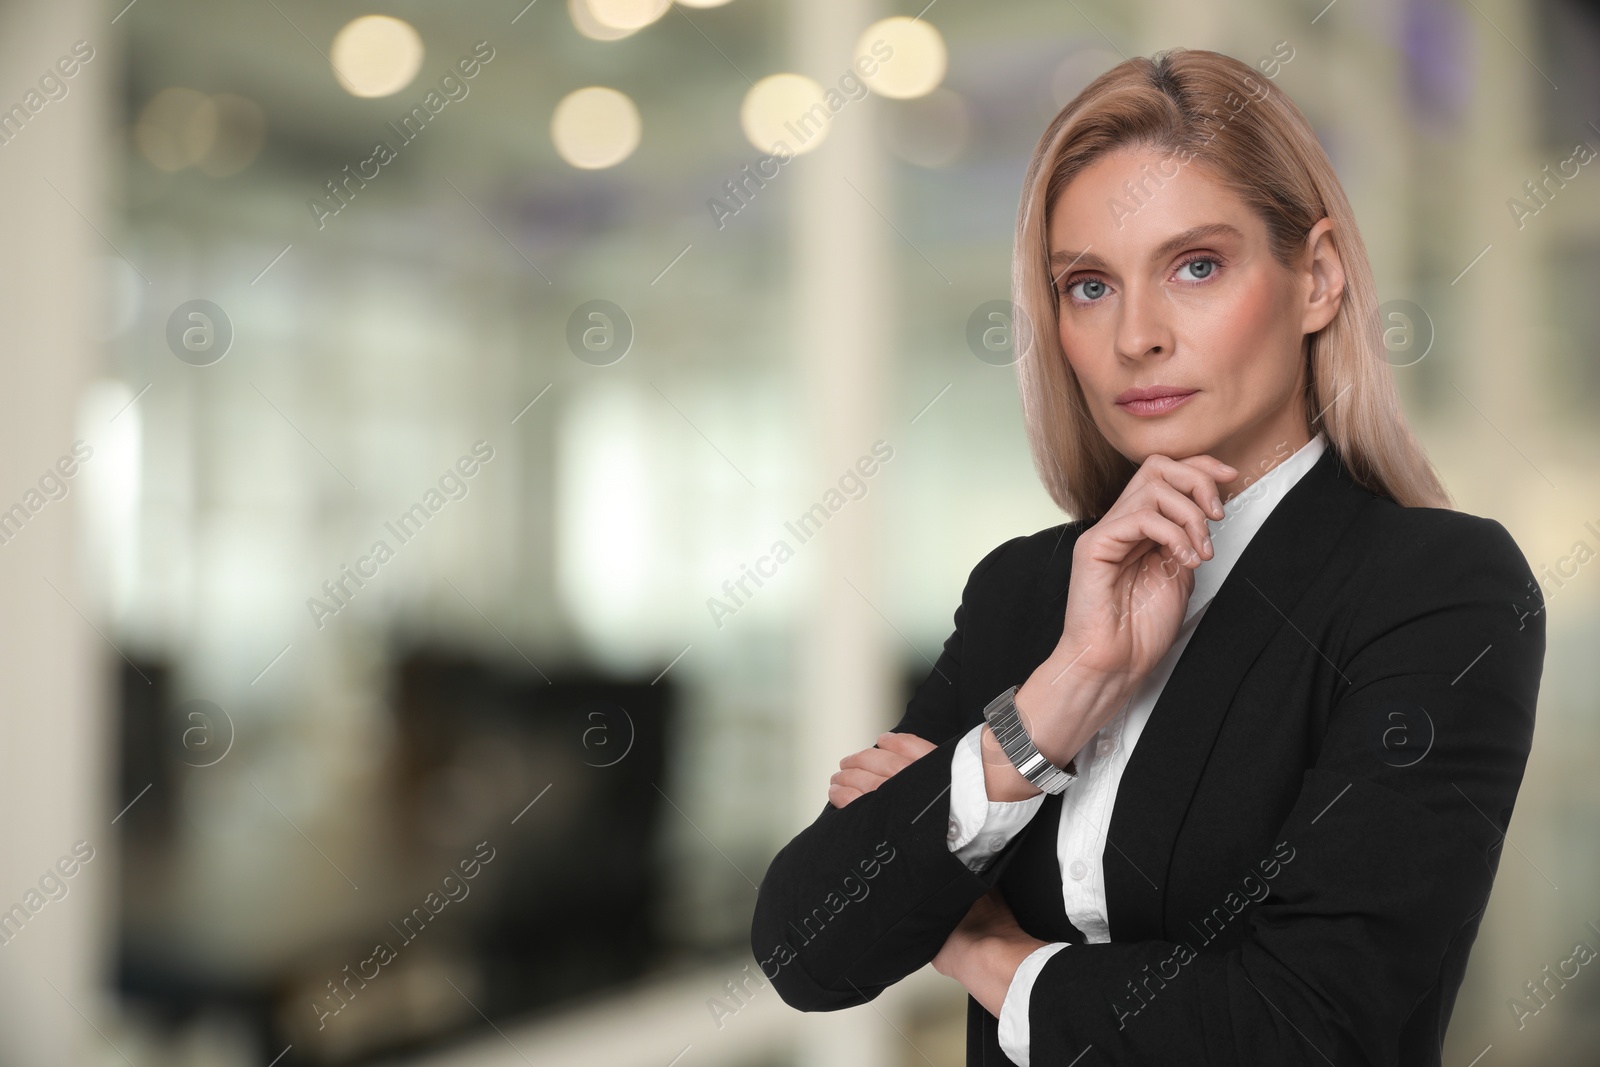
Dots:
pixel 1142 327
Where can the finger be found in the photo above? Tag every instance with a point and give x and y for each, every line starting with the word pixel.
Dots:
pixel 1155 492
pixel 1187 499
pixel 1123 538
pixel 906 744
pixel 1196 477
pixel 839 795
pixel 879 761
pixel 1114 540
pixel 1183 510
pixel 1200 477
pixel 1220 470
pixel 864 781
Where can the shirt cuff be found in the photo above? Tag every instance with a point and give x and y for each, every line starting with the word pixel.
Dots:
pixel 1014 1011
pixel 980 827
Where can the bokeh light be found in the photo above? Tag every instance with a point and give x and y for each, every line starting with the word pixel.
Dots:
pixel 176 128
pixel 917 64
pixel 584 21
pixel 240 132
pixel 595 127
pixel 376 55
pixel 181 127
pixel 627 14
pixel 774 104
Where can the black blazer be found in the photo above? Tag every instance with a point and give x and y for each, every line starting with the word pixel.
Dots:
pixel 1305 836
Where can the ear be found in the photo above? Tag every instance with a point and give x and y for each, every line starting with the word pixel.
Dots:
pixel 1323 277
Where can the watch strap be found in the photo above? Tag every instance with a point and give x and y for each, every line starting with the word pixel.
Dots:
pixel 1006 722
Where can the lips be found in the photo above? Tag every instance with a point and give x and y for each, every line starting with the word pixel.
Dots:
pixel 1153 400
pixel 1153 392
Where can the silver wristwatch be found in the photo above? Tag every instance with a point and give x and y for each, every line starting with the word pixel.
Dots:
pixel 1003 719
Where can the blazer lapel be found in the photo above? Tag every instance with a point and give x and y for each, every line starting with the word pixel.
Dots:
pixel 1251 605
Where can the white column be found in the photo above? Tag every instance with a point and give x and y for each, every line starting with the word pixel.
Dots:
pixel 841 338
pixel 55 671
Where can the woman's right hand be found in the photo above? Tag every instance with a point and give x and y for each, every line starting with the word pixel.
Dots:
pixel 1132 573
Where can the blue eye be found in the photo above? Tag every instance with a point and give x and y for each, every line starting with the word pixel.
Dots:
pixel 1089 297
pixel 1095 288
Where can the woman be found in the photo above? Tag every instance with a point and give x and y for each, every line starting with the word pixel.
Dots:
pixel 1267 701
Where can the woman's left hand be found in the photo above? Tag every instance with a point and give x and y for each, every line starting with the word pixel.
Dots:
pixel 862 772
pixel 984 950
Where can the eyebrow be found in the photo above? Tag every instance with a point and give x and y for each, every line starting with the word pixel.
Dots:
pixel 1060 261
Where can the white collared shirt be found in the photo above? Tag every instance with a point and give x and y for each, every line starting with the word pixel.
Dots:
pixel 980 827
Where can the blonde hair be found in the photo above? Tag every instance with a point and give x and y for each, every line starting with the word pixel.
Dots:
pixel 1266 153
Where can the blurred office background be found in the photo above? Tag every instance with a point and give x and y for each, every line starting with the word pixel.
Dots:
pixel 575 369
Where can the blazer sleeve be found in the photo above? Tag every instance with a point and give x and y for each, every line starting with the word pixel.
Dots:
pixel 868 893
pixel 1392 843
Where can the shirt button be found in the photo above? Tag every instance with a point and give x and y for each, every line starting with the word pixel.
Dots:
pixel 996 843
pixel 955 829
pixel 1078 870
pixel 1105 747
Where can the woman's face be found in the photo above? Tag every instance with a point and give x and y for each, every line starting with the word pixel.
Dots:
pixel 1169 282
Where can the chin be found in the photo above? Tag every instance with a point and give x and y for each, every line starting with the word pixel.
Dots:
pixel 1139 442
